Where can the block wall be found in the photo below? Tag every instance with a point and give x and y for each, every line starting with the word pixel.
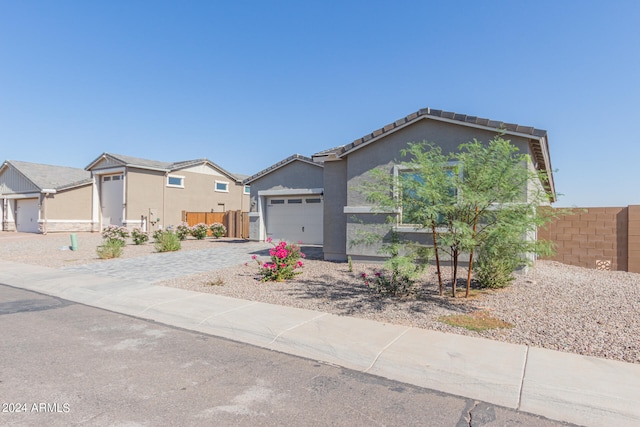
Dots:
pixel 606 238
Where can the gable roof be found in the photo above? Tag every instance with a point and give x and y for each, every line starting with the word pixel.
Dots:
pixel 538 138
pixel 276 166
pixel 49 177
pixel 137 162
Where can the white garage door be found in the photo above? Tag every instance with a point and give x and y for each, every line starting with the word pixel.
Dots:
pixel 28 214
pixel 295 218
pixel 112 199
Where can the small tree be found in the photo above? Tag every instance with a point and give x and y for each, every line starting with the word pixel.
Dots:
pixel 469 200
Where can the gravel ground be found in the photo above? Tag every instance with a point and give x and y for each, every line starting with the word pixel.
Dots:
pixel 554 306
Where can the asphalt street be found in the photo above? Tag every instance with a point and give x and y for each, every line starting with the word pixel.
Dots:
pixel 64 364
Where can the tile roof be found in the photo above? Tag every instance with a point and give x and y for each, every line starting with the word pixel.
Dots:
pixel 539 137
pixel 50 176
pixel 159 165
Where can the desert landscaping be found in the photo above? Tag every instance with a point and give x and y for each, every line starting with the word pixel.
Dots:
pixel 554 306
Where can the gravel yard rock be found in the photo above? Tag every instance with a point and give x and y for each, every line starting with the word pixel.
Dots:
pixel 554 306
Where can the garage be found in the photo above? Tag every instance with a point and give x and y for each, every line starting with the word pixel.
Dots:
pixel 28 213
pixel 295 218
pixel 112 199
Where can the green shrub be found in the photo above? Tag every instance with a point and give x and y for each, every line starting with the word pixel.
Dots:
pixel 139 237
pixel 494 273
pixel 218 230
pixel 199 231
pixel 110 248
pixel 397 278
pixel 498 259
pixel 166 241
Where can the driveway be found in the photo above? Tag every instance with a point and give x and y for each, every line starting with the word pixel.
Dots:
pixel 158 267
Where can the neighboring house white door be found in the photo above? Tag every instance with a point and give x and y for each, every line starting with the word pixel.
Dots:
pixel 28 213
pixel 295 218
pixel 112 199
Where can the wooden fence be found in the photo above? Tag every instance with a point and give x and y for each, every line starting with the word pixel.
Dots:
pixel 237 222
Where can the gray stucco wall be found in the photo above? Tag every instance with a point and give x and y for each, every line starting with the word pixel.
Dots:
pixel 335 220
pixel 297 175
pixel 386 152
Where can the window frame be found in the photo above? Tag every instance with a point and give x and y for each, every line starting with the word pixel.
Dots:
pixel 180 177
pixel 226 186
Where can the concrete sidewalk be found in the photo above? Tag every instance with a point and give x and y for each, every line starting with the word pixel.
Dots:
pixel 561 386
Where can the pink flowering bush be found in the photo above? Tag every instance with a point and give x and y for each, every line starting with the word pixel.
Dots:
pixel 115 234
pixel 284 265
pixel 199 231
pixel 183 230
pixel 218 230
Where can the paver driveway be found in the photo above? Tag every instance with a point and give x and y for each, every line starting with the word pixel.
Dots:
pixel 169 265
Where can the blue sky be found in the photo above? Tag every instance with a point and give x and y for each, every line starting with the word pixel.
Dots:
pixel 248 83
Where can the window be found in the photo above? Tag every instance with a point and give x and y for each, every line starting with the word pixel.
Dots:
pixel 175 181
pixel 277 202
pixel 318 200
pixel 222 186
pixel 247 189
pixel 108 178
pixel 413 198
pixel 296 201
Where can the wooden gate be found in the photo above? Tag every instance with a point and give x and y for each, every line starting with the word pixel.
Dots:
pixel 237 222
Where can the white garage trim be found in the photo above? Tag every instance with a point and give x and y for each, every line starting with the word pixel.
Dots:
pixel 21 196
pixel 290 192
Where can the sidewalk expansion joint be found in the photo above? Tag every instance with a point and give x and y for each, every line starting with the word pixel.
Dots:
pixel 524 373
pixel 228 311
pixel 385 348
pixel 296 326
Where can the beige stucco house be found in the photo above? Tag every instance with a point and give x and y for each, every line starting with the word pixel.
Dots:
pixel 135 192
pixel 41 198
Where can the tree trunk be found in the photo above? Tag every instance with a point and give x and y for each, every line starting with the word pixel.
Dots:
pixel 454 264
pixel 435 247
pixel 466 295
pixel 475 224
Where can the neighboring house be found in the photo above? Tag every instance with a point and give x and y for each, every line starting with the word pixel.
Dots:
pixel 287 201
pixel 345 209
pixel 39 198
pixel 134 192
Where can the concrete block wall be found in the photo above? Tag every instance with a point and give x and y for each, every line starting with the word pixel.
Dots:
pixel 633 248
pixel 597 237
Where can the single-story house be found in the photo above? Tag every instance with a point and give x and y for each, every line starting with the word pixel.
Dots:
pixel 345 168
pixel 40 198
pixel 287 201
pixel 134 192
